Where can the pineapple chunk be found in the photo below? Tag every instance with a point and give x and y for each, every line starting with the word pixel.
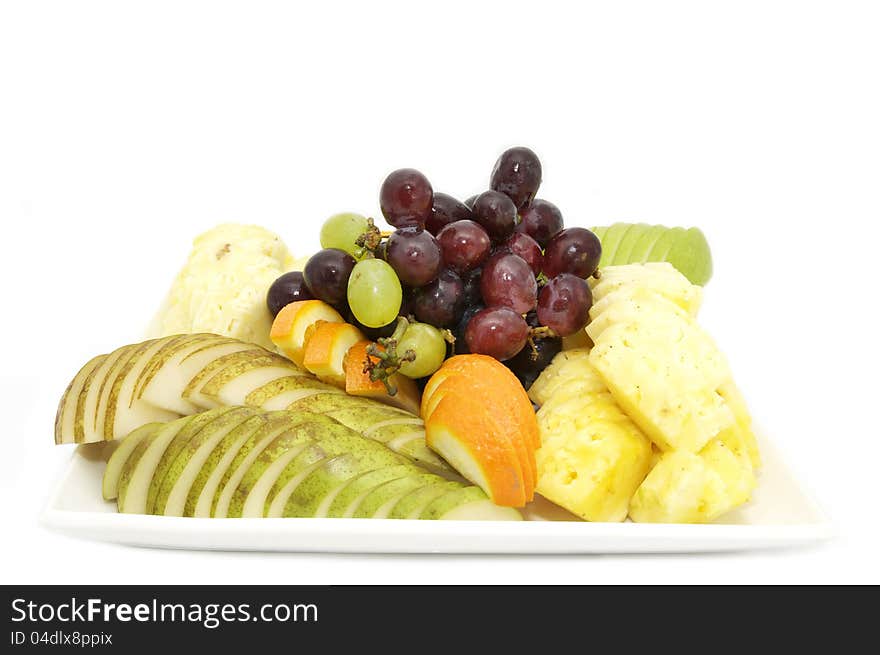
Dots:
pixel 693 488
pixel 566 366
pixel 626 305
pixel 732 396
pixel 661 277
pixel 664 372
pixel 592 457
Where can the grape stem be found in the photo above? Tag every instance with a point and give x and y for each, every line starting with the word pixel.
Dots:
pixel 383 360
pixel 542 332
pixel 371 239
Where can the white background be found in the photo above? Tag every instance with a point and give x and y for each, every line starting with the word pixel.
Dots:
pixel 127 128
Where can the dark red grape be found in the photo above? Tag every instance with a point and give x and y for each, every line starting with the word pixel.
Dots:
pixel 496 213
pixel 574 250
pixel 464 245
pixel 446 210
pixel 541 220
pixel 527 364
pixel 472 295
pixel 517 174
pixel 414 254
pixel 524 246
pixel 564 304
pixel 469 203
pixel 288 288
pixel 326 275
pixel 508 281
pixel 440 302
pixel 460 346
pixel 406 198
pixel 498 332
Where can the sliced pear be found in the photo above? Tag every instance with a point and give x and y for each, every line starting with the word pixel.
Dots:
pixel 204 488
pixel 85 428
pixel 468 503
pixel 67 408
pixel 110 481
pixel 381 425
pixel 179 479
pixel 251 450
pixel 411 505
pixel 280 393
pixel 172 346
pixel 323 403
pixel 107 403
pixel 281 461
pixel 139 469
pixel 344 501
pixel 196 423
pixel 304 498
pixel 394 490
pixel 213 365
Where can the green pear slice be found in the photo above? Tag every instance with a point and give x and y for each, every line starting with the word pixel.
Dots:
pixel 282 460
pixel 282 392
pixel 395 431
pixel 251 449
pixel 110 481
pixel 178 481
pixel 376 427
pixel 437 486
pixel 412 504
pixel 176 346
pixel 417 451
pixel 237 390
pixel 210 366
pixel 401 441
pixel 166 388
pixel 65 418
pixel 204 487
pixel 468 504
pixel 107 389
pixel 192 428
pixel 690 254
pixel 642 247
pixel 87 407
pixel 344 500
pixel 611 241
pixel 139 468
pixel 370 410
pixel 303 497
pixel 123 416
pixel 393 491
pixel 628 242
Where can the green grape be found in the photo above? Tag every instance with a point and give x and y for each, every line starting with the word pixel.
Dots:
pixel 374 293
pixel 342 230
pixel 428 344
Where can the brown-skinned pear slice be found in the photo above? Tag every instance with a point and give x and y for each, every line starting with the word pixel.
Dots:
pixel 67 408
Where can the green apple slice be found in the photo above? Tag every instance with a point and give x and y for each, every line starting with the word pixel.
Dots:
pixel 210 367
pixel 690 254
pixel 140 467
pixel 251 450
pixel 178 478
pixel 612 239
pixel 344 500
pixel 204 488
pixel 393 491
pixel 467 504
pixel 663 244
pixel 280 393
pixel 110 481
pixel 65 419
pixel 304 497
pixel 87 407
pixel 642 247
pixel 628 242
pixel 413 504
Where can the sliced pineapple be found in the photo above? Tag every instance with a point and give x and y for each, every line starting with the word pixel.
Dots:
pixel 660 277
pixel 567 365
pixel 592 457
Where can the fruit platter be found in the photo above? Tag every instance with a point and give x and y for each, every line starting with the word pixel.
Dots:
pixel 464 376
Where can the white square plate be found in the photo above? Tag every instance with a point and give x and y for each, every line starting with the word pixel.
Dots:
pixel 779 515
